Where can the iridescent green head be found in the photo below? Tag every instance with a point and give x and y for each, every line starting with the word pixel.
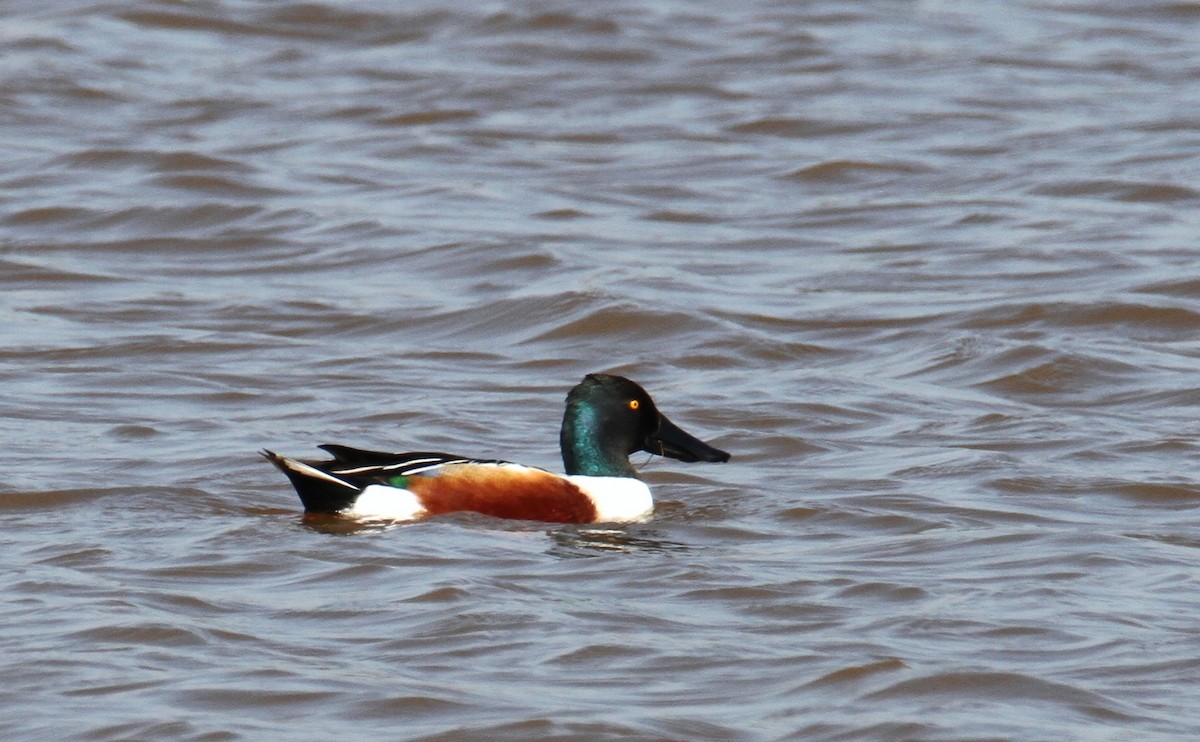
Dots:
pixel 610 417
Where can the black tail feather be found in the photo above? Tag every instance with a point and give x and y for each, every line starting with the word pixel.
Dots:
pixel 357 456
pixel 319 491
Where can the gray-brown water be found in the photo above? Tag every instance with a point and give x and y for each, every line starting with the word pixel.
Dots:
pixel 929 270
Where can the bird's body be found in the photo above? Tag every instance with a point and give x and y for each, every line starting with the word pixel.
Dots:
pixel 607 418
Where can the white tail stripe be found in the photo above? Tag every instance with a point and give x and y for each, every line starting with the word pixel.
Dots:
pixel 309 471
pixel 411 466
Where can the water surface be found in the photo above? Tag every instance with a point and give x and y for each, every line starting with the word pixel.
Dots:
pixel 929 272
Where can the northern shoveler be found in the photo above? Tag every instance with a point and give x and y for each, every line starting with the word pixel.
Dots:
pixel 607 419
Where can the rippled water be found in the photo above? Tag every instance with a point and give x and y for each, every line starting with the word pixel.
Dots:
pixel 927 269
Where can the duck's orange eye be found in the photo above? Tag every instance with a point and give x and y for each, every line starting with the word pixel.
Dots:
pixel 633 404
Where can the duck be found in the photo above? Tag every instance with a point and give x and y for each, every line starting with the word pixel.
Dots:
pixel 607 419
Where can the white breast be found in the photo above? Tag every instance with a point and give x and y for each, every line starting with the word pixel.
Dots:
pixel 617 499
